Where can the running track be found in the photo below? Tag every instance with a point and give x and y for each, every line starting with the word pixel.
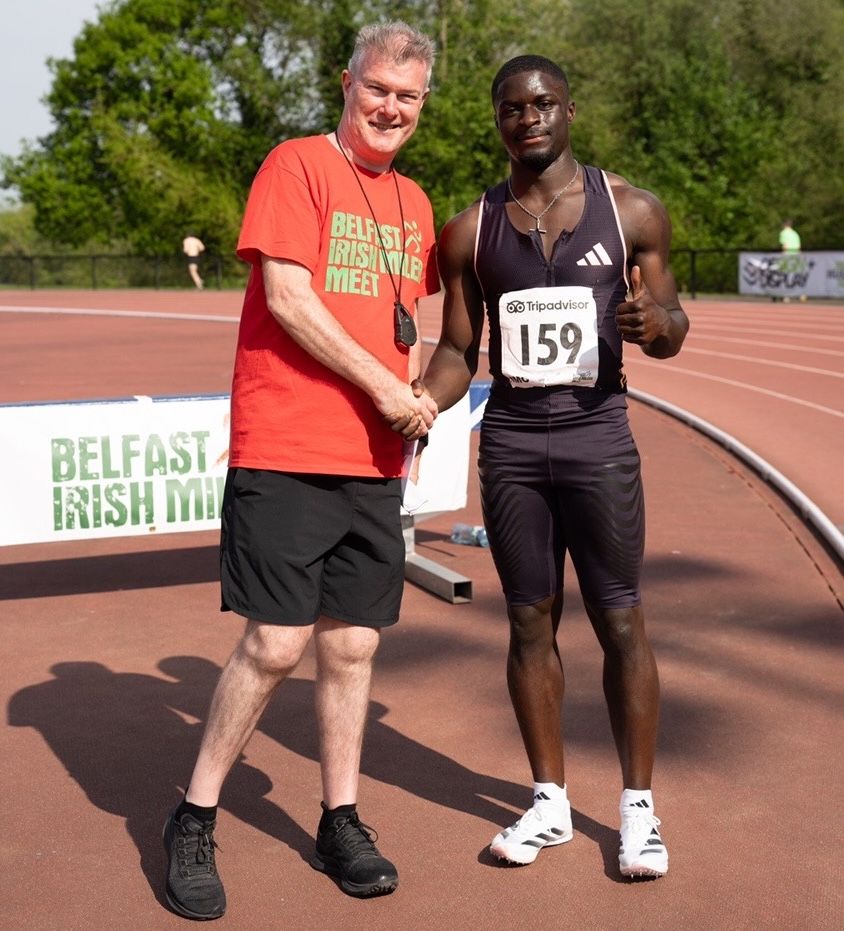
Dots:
pixel 112 648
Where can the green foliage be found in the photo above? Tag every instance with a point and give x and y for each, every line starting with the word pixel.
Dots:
pixel 457 153
pixel 17 230
pixel 732 112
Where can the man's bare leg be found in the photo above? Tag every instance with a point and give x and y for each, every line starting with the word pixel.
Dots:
pixel 344 673
pixel 344 847
pixel 265 655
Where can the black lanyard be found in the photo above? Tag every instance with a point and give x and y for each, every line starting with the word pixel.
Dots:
pixel 404 327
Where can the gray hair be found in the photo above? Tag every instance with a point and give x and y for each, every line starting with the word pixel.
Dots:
pixel 396 42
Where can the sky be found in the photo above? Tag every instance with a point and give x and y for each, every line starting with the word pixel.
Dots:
pixel 36 31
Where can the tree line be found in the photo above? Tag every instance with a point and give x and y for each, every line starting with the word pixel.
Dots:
pixel 732 112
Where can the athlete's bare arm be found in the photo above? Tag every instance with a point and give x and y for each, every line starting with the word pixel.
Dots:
pixel 455 360
pixel 652 317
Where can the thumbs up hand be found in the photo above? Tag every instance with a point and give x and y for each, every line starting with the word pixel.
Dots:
pixel 640 319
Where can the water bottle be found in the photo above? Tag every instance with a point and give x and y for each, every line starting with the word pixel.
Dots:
pixel 469 535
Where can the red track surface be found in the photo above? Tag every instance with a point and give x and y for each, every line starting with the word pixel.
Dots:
pixel 111 649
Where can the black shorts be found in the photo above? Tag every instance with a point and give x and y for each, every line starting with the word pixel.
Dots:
pixel 294 547
pixel 193 260
pixel 551 484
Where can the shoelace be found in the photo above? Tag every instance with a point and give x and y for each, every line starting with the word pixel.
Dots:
pixel 532 814
pixel 639 821
pixel 205 846
pixel 362 837
pixel 535 813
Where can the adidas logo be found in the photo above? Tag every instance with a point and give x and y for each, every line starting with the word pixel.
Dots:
pixel 541 796
pixel 597 255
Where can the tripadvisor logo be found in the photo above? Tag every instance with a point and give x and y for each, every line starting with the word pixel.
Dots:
pixel 519 307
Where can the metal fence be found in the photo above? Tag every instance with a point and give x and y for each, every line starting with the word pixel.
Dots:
pixel 118 271
pixel 706 271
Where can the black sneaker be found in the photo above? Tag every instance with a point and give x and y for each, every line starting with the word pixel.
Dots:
pixel 194 889
pixel 346 850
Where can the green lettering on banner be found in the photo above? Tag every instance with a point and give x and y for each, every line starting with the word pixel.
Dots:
pixel 64 459
pixel 180 462
pixel 183 494
pixel 155 459
pixel 91 503
pixel 119 513
pixel 88 507
pixel 75 509
pixel 129 452
pixel 194 498
pixel 200 436
pixel 58 512
pixel 108 470
pixel 138 500
pixel 87 455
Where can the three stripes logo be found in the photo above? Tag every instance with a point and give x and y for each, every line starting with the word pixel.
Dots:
pixel 597 255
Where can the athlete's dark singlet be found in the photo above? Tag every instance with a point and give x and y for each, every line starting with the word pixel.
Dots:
pixel 592 255
pixel 558 466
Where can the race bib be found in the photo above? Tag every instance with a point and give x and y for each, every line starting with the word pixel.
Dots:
pixel 549 336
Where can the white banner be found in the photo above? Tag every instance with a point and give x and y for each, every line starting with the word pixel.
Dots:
pixel 444 466
pixel 792 274
pixel 114 468
pixel 120 468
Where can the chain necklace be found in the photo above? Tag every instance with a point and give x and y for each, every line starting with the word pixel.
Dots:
pixel 554 199
pixel 404 326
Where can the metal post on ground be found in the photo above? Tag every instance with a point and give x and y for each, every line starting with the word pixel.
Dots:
pixel 430 575
pixel 218 268
pixel 31 271
pixel 93 273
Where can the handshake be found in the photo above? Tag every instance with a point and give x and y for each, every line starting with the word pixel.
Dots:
pixel 411 411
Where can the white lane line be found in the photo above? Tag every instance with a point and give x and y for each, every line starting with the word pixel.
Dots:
pixel 761 330
pixel 727 381
pixel 741 384
pixel 759 342
pixel 805 506
pixel 90 312
pixel 757 361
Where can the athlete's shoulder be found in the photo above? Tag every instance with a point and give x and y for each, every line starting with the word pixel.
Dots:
pixel 458 235
pixel 632 200
pixel 642 214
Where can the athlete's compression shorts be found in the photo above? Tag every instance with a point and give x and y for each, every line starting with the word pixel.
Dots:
pixel 559 471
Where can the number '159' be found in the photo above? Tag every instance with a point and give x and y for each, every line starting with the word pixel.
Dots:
pixel 570 337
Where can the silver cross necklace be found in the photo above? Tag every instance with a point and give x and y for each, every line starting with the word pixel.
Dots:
pixel 554 199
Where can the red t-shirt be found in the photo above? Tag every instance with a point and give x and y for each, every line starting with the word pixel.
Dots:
pixel 291 413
